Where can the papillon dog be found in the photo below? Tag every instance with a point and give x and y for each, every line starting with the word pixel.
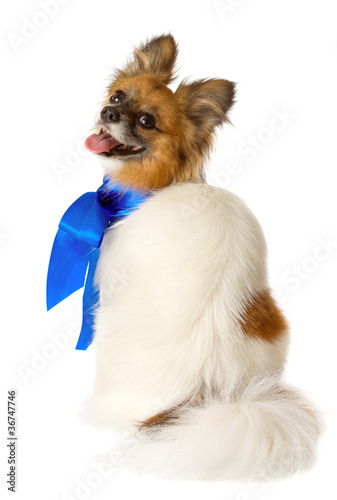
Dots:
pixel 190 343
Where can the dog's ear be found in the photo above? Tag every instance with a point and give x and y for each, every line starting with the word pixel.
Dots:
pixel 157 57
pixel 206 102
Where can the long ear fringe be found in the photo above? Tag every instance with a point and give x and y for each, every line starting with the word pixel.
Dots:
pixel 207 101
pixel 156 57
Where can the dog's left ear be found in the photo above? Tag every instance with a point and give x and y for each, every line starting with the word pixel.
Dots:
pixel 207 102
pixel 157 57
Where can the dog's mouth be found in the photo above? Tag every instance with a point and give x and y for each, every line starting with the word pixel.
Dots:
pixel 103 143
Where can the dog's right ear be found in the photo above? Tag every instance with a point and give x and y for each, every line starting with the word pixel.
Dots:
pixel 156 57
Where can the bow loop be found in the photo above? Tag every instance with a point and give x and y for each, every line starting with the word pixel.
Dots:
pixel 86 220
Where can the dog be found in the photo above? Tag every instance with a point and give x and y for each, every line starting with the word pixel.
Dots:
pixel 190 343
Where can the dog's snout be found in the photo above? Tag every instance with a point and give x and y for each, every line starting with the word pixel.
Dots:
pixel 110 114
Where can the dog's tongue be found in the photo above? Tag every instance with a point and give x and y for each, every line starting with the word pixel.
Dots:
pixel 99 143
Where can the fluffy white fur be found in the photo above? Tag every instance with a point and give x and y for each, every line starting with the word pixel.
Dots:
pixel 255 430
pixel 174 278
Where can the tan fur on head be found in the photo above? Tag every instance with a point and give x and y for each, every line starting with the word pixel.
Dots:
pixel 185 120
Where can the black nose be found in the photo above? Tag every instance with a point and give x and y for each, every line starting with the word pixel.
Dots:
pixel 110 114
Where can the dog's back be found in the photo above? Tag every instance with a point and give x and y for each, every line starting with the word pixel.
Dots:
pixel 186 354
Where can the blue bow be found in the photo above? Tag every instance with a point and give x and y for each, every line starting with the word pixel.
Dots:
pixel 76 246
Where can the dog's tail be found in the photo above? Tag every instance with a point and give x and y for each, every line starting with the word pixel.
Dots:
pixel 261 430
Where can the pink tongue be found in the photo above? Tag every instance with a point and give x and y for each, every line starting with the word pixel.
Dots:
pixel 98 143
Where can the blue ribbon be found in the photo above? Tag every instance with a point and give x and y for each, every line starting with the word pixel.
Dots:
pixel 76 248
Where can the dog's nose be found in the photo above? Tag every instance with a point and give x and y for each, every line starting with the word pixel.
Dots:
pixel 110 114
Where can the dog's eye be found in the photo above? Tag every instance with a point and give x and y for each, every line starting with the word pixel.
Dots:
pixel 147 121
pixel 117 97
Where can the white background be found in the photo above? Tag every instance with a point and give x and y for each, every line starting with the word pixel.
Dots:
pixel 283 56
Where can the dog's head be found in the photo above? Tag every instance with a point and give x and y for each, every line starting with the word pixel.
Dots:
pixel 150 136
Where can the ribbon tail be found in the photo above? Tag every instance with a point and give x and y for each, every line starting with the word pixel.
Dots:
pixel 90 301
pixel 67 267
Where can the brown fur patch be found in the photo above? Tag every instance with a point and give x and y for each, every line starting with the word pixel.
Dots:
pixel 263 319
pixel 171 416
pixel 166 417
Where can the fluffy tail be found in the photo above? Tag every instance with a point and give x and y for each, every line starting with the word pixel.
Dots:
pixel 259 431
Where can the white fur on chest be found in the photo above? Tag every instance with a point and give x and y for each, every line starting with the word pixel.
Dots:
pixel 174 277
